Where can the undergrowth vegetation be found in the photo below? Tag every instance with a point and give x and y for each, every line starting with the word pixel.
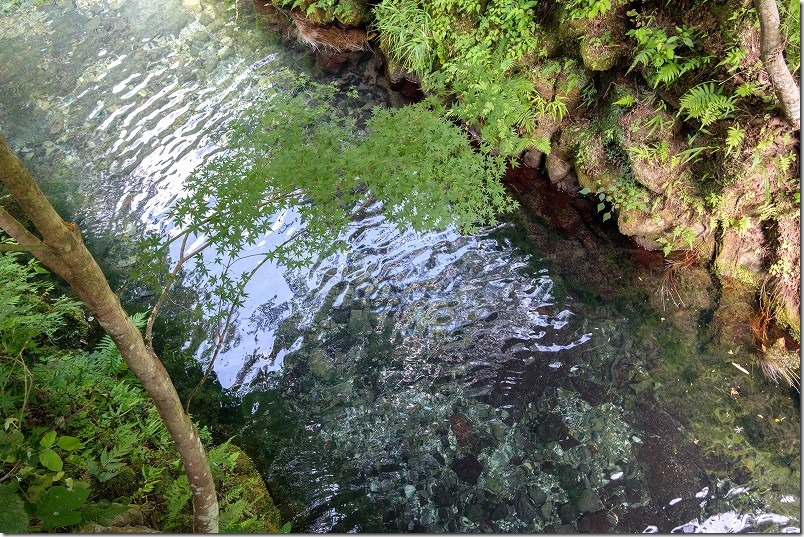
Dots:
pixel 81 442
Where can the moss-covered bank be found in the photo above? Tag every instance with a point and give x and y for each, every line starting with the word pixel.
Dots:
pixel 663 112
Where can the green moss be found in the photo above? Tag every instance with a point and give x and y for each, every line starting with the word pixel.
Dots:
pixel 352 12
pixel 598 55
pixel 246 478
pixel 728 269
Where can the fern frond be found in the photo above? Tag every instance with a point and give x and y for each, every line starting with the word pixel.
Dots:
pixel 706 103
pixel 734 138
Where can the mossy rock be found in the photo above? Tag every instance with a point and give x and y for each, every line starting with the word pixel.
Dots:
pixel 569 29
pixel 352 13
pixel 317 15
pixel 731 321
pixel 246 475
pixel 781 291
pixel 320 16
pixel 652 229
pixel 741 254
pixel 599 56
pixel 571 81
pixel 93 527
pixel 602 180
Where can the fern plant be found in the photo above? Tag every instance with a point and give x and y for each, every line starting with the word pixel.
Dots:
pixel 734 138
pixel 661 54
pixel 587 9
pixel 706 103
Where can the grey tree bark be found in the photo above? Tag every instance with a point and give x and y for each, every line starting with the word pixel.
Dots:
pixel 784 85
pixel 62 250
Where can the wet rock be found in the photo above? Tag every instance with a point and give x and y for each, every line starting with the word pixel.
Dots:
pixel 557 167
pixel 589 391
pixel 537 495
pixel 525 509
pixel 343 390
pixel 495 486
pixel 532 158
pixel 636 520
pixel 341 315
pixel 671 470
pixel 357 322
pixel 642 385
pixel 547 510
pixel 474 512
pixel 552 428
pixel 500 511
pixel 588 502
pixel 684 510
pixel 568 513
pixel 441 496
pixel 464 435
pixel 498 429
pixel 594 523
pixel 468 469
pixel 201 37
pixel 331 62
pixel 561 528
pixel 567 475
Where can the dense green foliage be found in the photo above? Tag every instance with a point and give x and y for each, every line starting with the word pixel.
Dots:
pixel 468 52
pixel 81 441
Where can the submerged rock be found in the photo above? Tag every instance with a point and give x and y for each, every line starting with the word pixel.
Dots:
pixel 588 502
pixel 468 469
pixel 594 523
pixel 464 435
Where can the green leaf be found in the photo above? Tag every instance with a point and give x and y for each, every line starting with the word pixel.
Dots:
pixel 628 100
pixel 600 207
pixel 69 443
pixel 48 439
pixel 104 511
pixel 606 216
pixel 584 191
pixel 285 528
pixel 58 505
pixel 13 518
pixel 51 460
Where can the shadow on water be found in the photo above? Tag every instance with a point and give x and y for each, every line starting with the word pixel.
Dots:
pixel 526 379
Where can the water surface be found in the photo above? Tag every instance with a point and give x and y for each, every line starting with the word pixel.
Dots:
pixel 413 383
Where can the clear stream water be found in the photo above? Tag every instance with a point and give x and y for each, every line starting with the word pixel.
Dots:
pixel 413 383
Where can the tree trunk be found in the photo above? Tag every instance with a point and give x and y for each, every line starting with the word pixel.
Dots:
pixel 784 85
pixel 68 257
